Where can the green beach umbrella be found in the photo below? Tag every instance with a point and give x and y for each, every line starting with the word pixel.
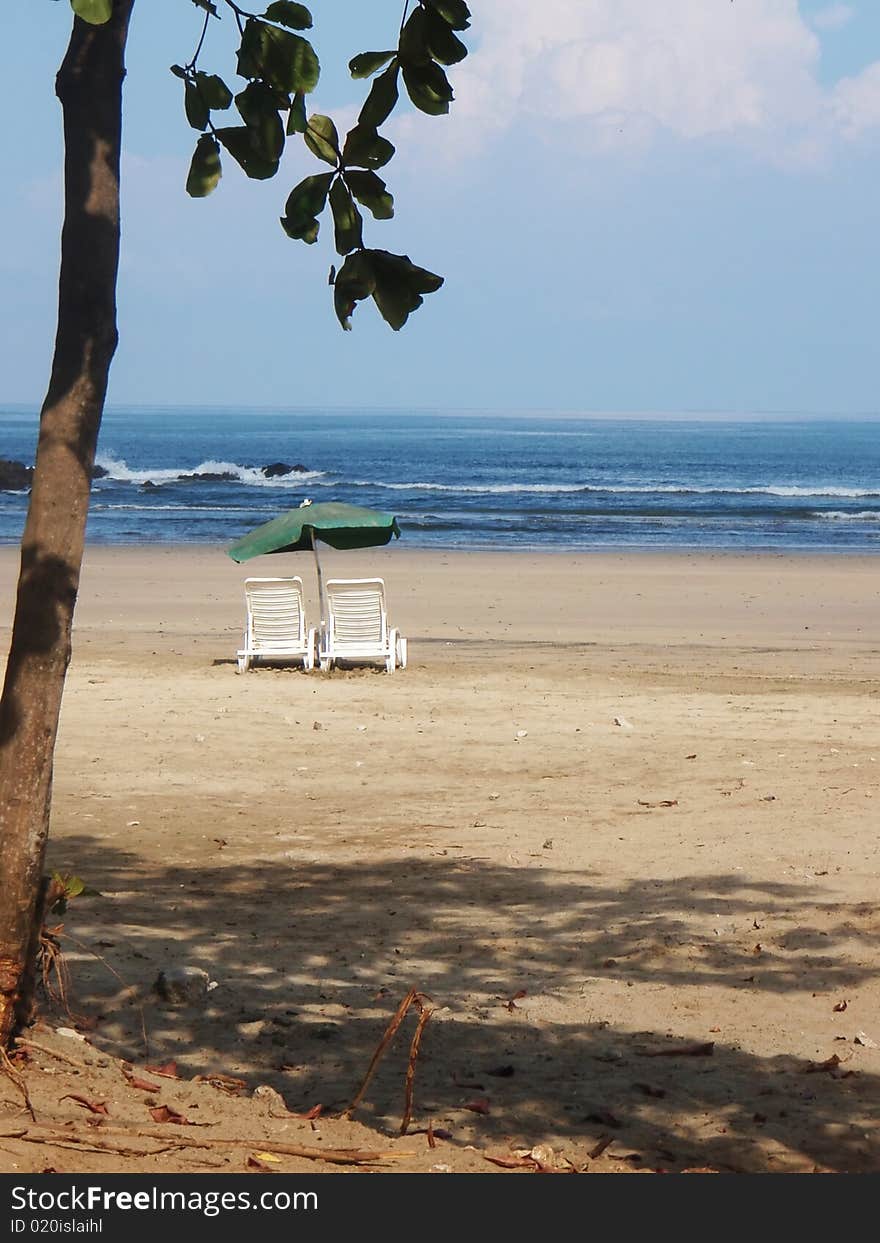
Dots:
pixel 333 522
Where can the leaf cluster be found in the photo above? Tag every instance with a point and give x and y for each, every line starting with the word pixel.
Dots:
pixel 280 68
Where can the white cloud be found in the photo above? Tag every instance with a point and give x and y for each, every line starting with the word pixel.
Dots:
pixel 835 17
pixel 619 70
pixel 857 102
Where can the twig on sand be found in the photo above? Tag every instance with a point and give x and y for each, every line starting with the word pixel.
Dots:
pixel 424 1016
pixel 390 1032
pixel 413 998
pixel 43 1048
pixel 17 1079
pixel 336 1156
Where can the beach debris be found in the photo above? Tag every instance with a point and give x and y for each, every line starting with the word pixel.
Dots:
pixel 223 1083
pixel 494 797
pixel 422 1003
pixel 94 1107
pixel 521 733
pixel 70 1034
pixel 829 1066
pixel 261 1160
pixel 168 1070
pixel 663 802
pixel 276 1106
pixel 840 1007
pixel 517 996
pixel 479 1105
pixel 622 722
pixel 199 738
pixel 131 824
pixel 605 1142
pixel 768 798
pixel 863 1038
pixel 548 844
pixel 180 985
pixel 693 756
pixel 165 1113
pixel 317 725
pixel 142 1085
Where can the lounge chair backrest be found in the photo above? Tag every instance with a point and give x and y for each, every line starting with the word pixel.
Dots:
pixel 275 614
pixel 357 617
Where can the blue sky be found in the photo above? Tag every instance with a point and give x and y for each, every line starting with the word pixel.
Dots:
pixel 636 207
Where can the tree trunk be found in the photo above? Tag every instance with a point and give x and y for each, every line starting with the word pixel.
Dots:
pixel 89 85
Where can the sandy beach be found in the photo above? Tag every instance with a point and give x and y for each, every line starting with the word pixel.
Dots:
pixel 618 819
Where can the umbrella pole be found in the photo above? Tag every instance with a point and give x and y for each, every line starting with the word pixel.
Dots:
pixel 320 578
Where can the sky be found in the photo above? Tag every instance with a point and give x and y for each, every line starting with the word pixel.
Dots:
pixel 637 206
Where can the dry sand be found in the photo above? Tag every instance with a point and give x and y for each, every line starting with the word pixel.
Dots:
pixel 646 935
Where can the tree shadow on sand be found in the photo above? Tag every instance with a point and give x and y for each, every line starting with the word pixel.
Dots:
pixel 311 959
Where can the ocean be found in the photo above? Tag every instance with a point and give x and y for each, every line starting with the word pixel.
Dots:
pixel 478 481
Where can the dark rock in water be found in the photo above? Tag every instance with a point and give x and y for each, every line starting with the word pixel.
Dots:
pixel 100 472
pixel 275 469
pixel 148 483
pixel 225 476
pixel 15 476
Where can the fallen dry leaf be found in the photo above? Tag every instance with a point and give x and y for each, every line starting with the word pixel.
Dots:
pixel 143 1085
pixel 94 1107
pixel 167 1071
pixel 480 1105
pixel 311 1114
pixel 164 1113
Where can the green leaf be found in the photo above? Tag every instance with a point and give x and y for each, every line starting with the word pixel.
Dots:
pixel 296 120
pixel 286 13
pixel 207 5
pixel 347 221
pixel 239 142
pixel 259 111
pixel 414 39
pixel 442 43
pixel 178 71
pixel 205 170
pixel 396 284
pixel 95 12
pixel 454 12
pixel 366 64
pixel 213 90
pixel 399 285
pixel 280 58
pixel 354 282
pixel 322 139
pixel 428 88
pixel 304 204
pixel 74 886
pixel 381 99
pixel 195 107
pixel 364 148
pixel 370 190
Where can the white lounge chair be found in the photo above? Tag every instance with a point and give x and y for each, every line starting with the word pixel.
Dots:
pixel 357 625
pixel 275 628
